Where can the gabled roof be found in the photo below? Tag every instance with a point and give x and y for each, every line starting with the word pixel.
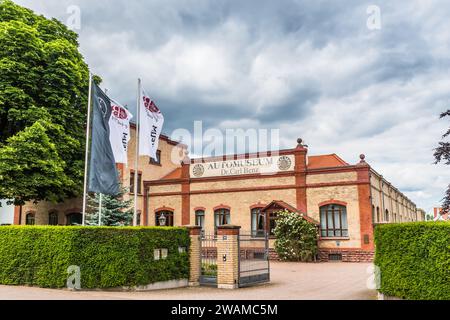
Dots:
pixel 288 207
pixel 325 161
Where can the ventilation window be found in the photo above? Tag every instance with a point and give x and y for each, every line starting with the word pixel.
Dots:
pixel 335 257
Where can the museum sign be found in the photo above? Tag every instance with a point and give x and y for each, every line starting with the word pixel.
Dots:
pixel 264 165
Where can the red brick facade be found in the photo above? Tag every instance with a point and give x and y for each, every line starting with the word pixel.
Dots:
pixel 356 177
pixel 346 255
pixel 307 185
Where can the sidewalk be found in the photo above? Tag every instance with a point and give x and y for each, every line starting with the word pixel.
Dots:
pixel 340 281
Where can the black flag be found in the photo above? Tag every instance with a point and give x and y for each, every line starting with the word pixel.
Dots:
pixel 103 175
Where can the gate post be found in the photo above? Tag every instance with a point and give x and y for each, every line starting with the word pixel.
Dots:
pixel 195 255
pixel 228 257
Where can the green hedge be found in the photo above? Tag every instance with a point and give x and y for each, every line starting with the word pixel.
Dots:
pixel 414 260
pixel 107 256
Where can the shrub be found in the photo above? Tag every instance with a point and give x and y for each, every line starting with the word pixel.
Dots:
pixel 296 237
pixel 107 256
pixel 414 260
pixel 209 269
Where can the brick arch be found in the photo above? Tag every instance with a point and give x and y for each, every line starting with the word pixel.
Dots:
pixel 169 214
pixel 332 201
pixel 199 208
pixel 222 206
pixel 164 208
pixel 31 213
pixel 53 212
pixel 73 210
pixel 258 205
pixel 69 212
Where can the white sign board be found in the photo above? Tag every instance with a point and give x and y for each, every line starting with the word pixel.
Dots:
pixel 264 165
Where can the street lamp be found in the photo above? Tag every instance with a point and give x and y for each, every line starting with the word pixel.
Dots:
pixel 162 219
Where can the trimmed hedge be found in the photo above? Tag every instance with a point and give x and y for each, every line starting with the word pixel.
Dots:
pixel 414 260
pixel 108 257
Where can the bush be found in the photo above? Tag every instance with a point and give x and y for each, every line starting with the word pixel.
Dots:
pixel 296 237
pixel 107 256
pixel 209 269
pixel 414 260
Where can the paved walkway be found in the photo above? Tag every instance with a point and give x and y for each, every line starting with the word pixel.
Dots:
pixel 342 281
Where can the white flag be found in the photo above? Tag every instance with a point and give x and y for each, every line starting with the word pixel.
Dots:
pixel 119 131
pixel 151 122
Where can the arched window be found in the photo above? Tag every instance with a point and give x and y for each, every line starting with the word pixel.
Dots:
pixel 272 217
pixel 373 214
pixel 221 217
pixel 53 218
pixel 74 219
pixel 378 214
pixel 333 221
pixel 169 217
pixel 30 219
pixel 200 218
pixel 258 222
pixel 386 216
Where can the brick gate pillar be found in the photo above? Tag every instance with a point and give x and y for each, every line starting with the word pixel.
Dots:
pixel 228 256
pixel 195 255
pixel 300 153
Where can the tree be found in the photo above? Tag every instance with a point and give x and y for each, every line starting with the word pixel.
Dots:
pixel 442 154
pixel 115 210
pixel 30 166
pixel 296 237
pixel 43 77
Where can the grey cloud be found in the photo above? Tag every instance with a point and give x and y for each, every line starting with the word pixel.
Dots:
pixel 310 68
pixel 297 107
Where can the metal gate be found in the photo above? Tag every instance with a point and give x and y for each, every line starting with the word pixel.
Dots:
pixel 253 259
pixel 208 274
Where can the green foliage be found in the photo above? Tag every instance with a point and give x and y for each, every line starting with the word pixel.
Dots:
pixel 296 238
pixel 43 77
pixel 30 167
pixel 209 269
pixel 115 210
pixel 108 257
pixel 414 260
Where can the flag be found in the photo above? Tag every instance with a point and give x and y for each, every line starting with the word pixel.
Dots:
pixel 119 134
pixel 151 121
pixel 103 175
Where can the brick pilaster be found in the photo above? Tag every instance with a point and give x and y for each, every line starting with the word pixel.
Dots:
pixel 144 213
pixel 195 257
pixel 228 257
pixel 17 216
pixel 185 193
pixel 121 170
pixel 300 176
pixel 365 205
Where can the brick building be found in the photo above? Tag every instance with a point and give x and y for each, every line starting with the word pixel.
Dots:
pixel 440 215
pixel 344 200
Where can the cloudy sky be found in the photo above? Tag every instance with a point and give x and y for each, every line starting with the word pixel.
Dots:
pixel 312 69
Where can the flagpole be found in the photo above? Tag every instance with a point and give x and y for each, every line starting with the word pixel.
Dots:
pixel 136 160
pixel 100 210
pixel 87 149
